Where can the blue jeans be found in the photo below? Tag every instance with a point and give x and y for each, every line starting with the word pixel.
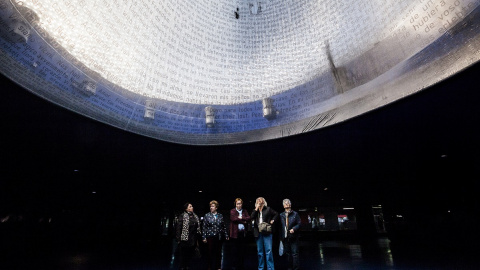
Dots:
pixel 265 242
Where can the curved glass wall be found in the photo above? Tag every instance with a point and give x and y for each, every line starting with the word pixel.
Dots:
pixel 225 72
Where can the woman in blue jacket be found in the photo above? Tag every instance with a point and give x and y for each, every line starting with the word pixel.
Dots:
pixel 214 231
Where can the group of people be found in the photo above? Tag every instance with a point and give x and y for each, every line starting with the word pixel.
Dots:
pixel 213 231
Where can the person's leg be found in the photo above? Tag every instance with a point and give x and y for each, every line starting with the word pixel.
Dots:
pixel 268 241
pixel 181 257
pixel 260 252
pixel 241 245
pixel 210 253
pixel 186 254
pixel 190 251
pixel 217 253
pixel 235 251
pixel 295 254
pixel 287 248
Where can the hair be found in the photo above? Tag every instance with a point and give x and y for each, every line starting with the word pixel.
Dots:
pixel 236 200
pixel 214 202
pixel 263 199
pixel 287 201
pixel 185 206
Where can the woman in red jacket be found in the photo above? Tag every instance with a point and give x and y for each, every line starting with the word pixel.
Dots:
pixel 238 232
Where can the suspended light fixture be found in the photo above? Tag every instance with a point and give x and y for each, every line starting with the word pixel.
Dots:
pixel 86 87
pixel 149 110
pixel 269 111
pixel 209 117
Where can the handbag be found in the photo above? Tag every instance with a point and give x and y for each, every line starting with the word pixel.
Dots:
pixel 265 227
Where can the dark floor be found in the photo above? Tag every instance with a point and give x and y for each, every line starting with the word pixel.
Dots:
pixel 322 250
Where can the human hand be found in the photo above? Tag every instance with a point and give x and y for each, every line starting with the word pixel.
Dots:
pixel 271 221
pixel 291 231
pixel 204 240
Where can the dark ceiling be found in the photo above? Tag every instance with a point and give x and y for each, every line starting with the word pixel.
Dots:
pixel 421 150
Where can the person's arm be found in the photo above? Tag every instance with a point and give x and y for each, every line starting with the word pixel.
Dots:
pixel 199 227
pixel 297 221
pixel 275 216
pixel 255 211
pixel 246 216
pixel 234 217
pixel 178 228
pixel 282 226
pixel 204 231
pixel 254 215
pixel 224 228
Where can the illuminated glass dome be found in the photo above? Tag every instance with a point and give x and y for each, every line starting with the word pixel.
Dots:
pixel 224 72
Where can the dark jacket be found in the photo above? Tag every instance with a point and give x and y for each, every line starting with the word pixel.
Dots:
pixel 193 229
pixel 214 226
pixel 268 215
pixel 234 221
pixel 293 223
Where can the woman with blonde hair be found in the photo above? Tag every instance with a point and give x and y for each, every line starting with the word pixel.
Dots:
pixel 263 217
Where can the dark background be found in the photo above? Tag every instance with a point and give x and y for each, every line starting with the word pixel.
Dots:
pixel 417 157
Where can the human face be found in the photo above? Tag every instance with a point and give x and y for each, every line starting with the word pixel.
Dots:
pixel 213 208
pixel 190 208
pixel 238 205
pixel 287 206
pixel 260 202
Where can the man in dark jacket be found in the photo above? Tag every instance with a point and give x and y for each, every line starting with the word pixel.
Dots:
pixel 289 234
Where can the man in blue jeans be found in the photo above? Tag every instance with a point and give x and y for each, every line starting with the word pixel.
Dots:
pixel 289 234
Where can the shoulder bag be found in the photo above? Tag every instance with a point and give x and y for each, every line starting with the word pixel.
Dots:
pixel 265 227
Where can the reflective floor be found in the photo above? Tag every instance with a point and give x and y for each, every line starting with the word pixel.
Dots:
pixel 319 251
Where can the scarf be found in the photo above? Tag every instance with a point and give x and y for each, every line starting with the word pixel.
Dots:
pixel 186 222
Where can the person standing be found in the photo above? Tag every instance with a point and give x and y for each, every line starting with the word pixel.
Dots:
pixel 263 214
pixel 214 232
pixel 289 234
pixel 187 229
pixel 238 232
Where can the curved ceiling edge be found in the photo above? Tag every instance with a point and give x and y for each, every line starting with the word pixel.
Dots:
pixel 401 64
